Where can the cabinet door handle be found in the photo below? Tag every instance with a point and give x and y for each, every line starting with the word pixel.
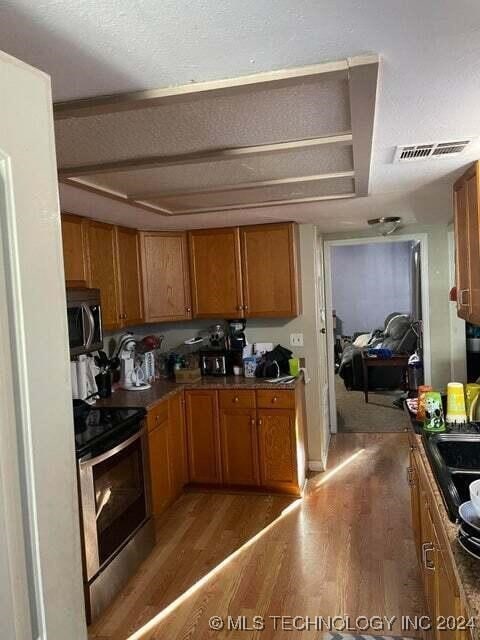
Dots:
pixel 240 307
pixel 188 309
pixel 236 399
pixel 252 421
pixel 260 422
pixel 411 476
pixel 245 306
pixel 274 399
pixel 462 292
pixel 428 547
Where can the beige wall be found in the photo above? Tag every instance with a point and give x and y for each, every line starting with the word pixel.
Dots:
pixel 438 287
pixel 41 590
pixel 277 331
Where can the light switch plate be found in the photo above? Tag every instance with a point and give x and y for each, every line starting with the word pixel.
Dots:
pixel 296 339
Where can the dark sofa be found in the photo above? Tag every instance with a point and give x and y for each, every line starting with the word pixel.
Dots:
pixel 398 335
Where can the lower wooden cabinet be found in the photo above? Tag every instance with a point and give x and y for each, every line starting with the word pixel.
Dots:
pixel 236 439
pixel 278 455
pixel 440 587
pixel 177 444
pixel 227 438
pixel 167 455
pixel 159 455
pixel 203 436
pixel 239 438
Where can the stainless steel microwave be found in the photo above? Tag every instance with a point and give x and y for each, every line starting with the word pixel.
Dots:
pixel 84 321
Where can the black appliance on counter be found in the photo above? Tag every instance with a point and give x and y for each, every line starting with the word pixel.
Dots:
pixel 114 491
pixel 236 341
pixel 215 362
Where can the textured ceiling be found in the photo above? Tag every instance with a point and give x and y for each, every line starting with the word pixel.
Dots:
pixel 429 88
pixel 308 120
pixel 304 110
pixel 212 174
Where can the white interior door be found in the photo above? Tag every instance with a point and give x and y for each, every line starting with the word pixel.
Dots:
pixel 323 348
pixel 41 594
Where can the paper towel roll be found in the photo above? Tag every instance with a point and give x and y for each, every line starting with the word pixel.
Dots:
pixel 82 377
pixel 73 380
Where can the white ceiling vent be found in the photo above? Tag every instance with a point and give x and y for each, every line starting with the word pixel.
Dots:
pixel 432 150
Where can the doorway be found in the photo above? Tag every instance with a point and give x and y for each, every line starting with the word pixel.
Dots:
pixel 374 298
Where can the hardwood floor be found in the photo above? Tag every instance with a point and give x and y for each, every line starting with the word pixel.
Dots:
pixel 346 549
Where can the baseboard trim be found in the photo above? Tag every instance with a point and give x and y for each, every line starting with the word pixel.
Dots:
pixel 316 465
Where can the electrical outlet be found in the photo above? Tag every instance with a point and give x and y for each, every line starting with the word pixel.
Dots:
pixel 296 339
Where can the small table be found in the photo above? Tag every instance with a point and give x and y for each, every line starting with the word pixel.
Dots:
pixel 399 361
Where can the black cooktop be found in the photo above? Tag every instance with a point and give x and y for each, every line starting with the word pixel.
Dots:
pixel 104 424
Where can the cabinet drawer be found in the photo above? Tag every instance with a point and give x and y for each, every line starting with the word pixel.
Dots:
pixel 157 415
pixel 273 399
pixel 237 398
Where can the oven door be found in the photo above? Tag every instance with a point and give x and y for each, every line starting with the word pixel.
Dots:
pixel 114 500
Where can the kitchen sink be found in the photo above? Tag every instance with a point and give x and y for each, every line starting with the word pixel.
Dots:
pixel 455 460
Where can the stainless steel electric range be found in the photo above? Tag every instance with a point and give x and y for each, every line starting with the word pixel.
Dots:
pixel 115 513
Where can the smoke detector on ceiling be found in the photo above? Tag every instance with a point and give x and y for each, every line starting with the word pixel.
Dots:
pixel 409 153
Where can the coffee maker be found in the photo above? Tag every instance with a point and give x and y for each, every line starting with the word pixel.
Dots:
pixel 236 341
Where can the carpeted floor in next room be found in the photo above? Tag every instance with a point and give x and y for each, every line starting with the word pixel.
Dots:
pixel 354 415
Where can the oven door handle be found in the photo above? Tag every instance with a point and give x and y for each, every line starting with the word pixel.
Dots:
pixel 85 464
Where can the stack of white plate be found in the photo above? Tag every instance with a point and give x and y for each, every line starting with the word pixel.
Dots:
pixel 469 532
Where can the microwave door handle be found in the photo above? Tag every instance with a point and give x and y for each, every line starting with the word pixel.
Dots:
pixel 91 323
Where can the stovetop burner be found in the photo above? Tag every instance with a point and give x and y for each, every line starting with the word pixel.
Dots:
pixel 102 423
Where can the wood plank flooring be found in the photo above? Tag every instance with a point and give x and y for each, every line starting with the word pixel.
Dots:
pixel 346 549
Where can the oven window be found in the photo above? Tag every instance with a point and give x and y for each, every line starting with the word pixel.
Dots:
pixel 75 327
pixel 119 498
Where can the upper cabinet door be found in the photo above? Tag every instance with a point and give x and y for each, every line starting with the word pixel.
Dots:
pixel 270 272
pixel 75 250
pixel 103 270
pixel 215 269
pixel 166 283
pixel 462 249
pixel 471 184
pixel 129 270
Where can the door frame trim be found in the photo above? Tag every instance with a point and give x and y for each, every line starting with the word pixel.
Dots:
pixel 328 245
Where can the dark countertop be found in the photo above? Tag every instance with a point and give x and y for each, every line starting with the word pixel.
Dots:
pixel 162 389
pixel 466 567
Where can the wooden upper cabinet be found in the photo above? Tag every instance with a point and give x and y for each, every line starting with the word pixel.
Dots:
pixel 102 246
pixel 166 284
pixel 467 244
pixel 471 184
pixel 75 250
pixel 270 271
pixel 129 272
pixel 203 436
pixel 215 270
pixel 461 250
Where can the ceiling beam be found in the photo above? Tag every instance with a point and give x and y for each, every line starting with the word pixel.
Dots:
pixel 198 157
pixel 240 187
pixel 71 182
pixel 259 205
pixel 362 87
pixel 153 97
